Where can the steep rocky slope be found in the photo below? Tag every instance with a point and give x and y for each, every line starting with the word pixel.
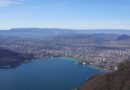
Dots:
pixel 118 80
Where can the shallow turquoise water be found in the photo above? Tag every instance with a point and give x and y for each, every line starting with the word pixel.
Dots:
pixel 49 74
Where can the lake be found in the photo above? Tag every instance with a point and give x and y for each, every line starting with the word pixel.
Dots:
pixel 46 74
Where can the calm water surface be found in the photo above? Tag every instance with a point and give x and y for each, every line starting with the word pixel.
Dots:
pixel 49 74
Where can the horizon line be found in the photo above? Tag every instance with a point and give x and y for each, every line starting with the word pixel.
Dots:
pixel 63 28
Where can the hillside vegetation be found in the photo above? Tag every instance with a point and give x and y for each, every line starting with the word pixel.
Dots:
pixel 10 58
pixel 118 80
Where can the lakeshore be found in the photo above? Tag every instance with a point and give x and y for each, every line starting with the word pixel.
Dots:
pixel 46 58
pixel 47 74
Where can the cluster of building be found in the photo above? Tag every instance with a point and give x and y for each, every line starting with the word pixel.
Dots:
pixel 95 55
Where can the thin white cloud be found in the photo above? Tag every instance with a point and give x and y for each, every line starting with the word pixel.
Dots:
pixel 7 3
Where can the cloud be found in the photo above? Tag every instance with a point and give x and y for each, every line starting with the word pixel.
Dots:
pixel 7 3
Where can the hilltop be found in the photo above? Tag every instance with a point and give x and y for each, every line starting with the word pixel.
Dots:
pixel 123 37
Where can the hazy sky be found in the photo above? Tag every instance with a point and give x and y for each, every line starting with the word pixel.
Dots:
pixel 77 14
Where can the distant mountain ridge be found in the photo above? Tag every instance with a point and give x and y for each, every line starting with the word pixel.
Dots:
pixel 69 31
pixel 49 33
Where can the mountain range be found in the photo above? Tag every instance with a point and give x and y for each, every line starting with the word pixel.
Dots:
pixel 57 31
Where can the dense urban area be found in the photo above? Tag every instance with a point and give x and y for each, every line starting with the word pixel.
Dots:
pixel 96 49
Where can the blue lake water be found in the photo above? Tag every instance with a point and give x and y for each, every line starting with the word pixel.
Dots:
pixel 46 74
